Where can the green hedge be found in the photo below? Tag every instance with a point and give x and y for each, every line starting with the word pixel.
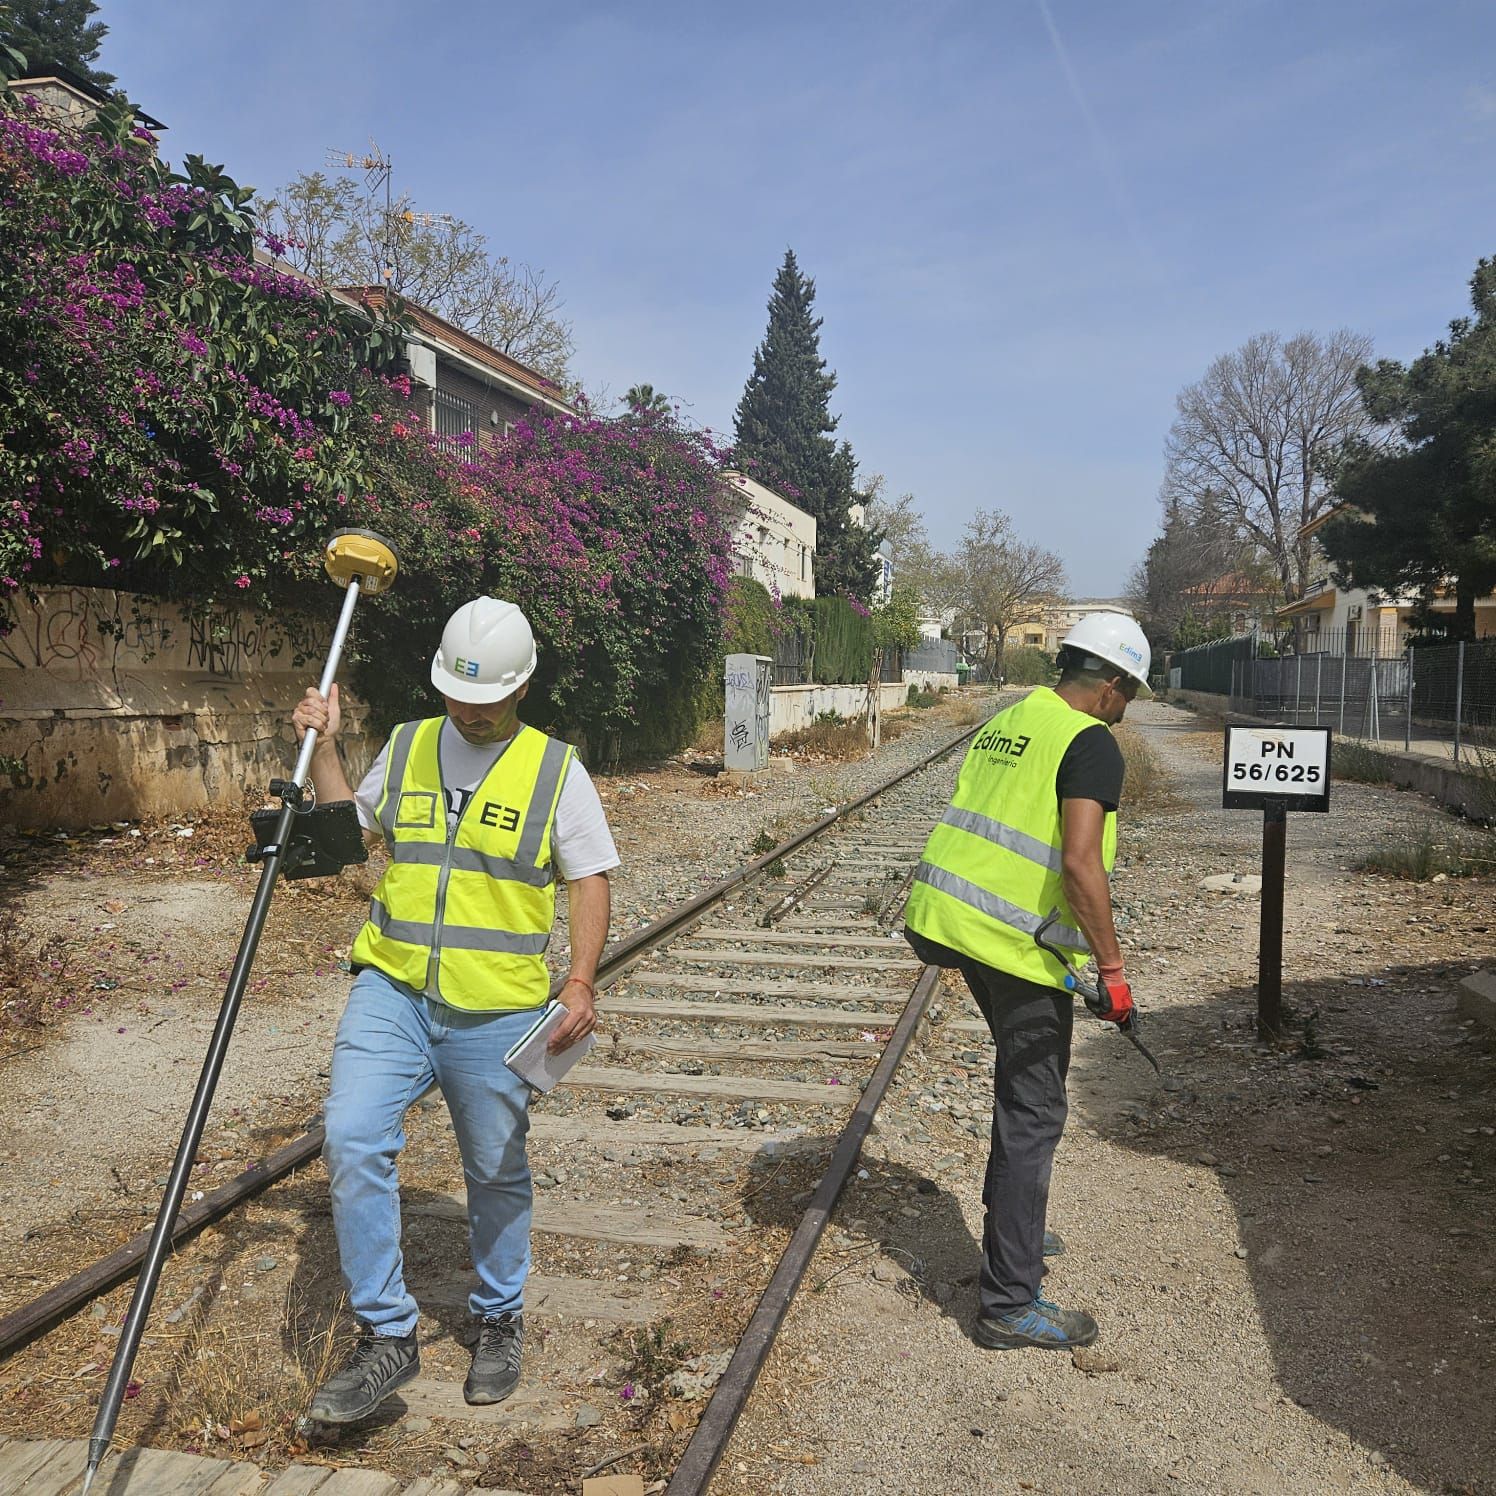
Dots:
pixel 844 643
pixel 749 621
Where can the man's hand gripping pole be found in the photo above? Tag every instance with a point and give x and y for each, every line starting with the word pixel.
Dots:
pixel 1098 1004
pixel 359 561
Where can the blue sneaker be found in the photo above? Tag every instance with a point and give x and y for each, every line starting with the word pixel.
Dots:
pixel 1041 1325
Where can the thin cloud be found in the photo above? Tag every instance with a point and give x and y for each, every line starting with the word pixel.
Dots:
pixel 1106 162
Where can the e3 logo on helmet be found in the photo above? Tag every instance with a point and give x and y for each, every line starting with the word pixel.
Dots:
pixel 468 668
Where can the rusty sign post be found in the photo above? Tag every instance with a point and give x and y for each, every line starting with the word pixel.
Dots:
pixel 1276 769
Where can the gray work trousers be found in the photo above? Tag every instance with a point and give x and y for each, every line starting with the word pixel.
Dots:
pixel 1031 1026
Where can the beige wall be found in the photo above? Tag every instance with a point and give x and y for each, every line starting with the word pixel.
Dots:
pixel 774 541
pixel 118 706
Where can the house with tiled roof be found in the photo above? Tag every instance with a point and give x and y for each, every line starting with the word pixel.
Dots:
pixel 468 387
pixel 1331 619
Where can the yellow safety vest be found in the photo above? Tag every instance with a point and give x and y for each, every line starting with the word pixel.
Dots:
pixel 990 872
pixel 466 915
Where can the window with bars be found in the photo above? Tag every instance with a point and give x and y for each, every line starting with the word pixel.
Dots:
pixel 455 418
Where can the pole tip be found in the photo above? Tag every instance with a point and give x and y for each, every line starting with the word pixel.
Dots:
pixel 88 1477
pixel 362 554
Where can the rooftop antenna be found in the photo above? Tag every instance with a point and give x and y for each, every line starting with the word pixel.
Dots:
pixel 378 170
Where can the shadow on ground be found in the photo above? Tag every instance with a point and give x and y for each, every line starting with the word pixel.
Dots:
pixel 902 1228
pixel 1360 1160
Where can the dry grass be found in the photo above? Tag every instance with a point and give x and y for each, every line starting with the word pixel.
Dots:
pixel 841 741
pixel 967 713
pixel 241 1388
pixel 709 736
pixel 1355 761
pixel 1436 848
pixel 1149 786
pixel 34 976
pixel 828 790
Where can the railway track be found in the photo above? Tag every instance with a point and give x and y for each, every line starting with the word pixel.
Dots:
pixel 684 1175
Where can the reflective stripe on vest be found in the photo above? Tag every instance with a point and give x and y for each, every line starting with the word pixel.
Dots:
pixel 992 869
pixel 465 913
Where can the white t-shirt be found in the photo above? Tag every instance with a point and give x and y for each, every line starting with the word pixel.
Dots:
pixel 581 843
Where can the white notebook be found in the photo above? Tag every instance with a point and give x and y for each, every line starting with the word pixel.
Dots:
pixel 534 1063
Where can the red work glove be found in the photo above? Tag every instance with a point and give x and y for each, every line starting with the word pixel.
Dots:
pixel 1115 995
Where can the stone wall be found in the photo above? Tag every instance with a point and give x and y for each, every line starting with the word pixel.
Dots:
pixel 115 706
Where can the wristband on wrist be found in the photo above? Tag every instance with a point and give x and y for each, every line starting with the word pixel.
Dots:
pixel 580 982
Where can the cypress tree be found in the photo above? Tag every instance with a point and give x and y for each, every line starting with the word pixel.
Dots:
pixel 784 435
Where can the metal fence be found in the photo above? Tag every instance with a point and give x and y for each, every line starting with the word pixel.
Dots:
pixel 1209 667
pixel 1426 698
pixel 791 659
pixel 932 654
pixel 794 662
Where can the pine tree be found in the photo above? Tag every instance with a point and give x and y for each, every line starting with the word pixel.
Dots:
pixel 1421 510
pixel 60 32
pixel 784 435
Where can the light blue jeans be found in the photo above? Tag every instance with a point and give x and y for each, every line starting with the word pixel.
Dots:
pixel 391 1045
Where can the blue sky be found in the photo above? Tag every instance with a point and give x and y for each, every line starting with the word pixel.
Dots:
pixel 1029 225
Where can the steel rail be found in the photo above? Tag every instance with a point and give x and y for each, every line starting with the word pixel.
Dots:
pixel 38 1315
pixel 708 1443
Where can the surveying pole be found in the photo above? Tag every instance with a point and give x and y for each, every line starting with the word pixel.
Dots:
pixel 360 562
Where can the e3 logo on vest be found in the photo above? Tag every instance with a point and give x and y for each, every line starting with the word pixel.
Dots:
pixel 1002 745
pixel 505 817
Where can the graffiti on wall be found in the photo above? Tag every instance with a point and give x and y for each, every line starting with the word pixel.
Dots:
pixel 80 632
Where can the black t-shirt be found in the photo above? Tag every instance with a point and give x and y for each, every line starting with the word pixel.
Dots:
pixel 1092 768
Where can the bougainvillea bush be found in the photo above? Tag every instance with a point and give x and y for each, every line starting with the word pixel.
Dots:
pixel 174 415
pixel 613 535
pixel 182 418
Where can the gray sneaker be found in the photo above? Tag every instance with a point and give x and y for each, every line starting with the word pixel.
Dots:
pixel 378 1366
pixel 495 1370
pixel 1042 1326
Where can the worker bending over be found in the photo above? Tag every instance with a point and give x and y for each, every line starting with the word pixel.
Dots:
pixel 1031 828
pixel 481 814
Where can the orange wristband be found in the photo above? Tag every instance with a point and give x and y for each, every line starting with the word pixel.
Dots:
pixel 580 982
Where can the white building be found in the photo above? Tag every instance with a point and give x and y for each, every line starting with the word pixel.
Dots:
pixel 774 542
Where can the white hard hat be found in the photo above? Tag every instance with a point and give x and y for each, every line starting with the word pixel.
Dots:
pixel 1114 639
pixel 487 651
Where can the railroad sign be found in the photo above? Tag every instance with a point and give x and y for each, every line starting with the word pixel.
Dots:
pixel 1284 766
pixel 1275 770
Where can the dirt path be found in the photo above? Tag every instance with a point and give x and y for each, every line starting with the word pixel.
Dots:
pixel 1289 1252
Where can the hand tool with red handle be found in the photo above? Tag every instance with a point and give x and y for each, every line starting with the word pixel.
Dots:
pixel 1098 1003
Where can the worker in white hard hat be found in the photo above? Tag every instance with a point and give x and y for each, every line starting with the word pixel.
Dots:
pixel 1031 829
pixel 480 814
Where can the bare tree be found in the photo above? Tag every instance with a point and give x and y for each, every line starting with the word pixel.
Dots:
pixel 917 566
pixel 343 236
pixel 1260 434
pixel 999 581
